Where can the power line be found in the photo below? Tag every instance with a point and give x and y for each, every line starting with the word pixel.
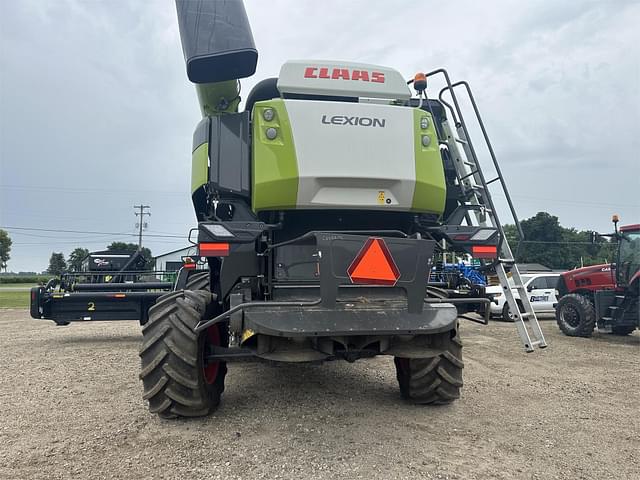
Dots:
pixel 56 230
pixel 600 244
pixel 174 192
pixel 530 198
pixel 114 191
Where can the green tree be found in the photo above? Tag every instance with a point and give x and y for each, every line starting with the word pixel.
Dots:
pixel 75 259
pixel 57 264
pixel 131 248
pixel 5 249
pixel 549 243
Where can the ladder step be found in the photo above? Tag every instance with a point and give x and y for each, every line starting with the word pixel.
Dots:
pixel 469 175
pixel 459 140
pixel 539 343
pixel 468 163
pixel 493 180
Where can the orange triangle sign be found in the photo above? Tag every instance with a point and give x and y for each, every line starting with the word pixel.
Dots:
pixel 374 265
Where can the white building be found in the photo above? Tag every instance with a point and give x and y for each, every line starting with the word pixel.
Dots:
pixel 172 261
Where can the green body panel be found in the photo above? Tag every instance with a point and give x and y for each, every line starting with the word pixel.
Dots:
pixel 431 190
pixel 273 162
pixel 217 98
pixel 199 167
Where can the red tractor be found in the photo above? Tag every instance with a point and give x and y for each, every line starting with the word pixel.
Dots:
pixel 603 295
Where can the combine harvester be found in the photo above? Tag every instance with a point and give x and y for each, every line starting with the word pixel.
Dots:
pixel 320 207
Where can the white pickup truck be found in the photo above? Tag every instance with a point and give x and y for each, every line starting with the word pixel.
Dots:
pixel 541 288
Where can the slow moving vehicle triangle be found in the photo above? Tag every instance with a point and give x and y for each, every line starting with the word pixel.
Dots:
pixel 374 265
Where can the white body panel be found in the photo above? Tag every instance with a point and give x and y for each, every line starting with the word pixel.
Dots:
pixel 360 155
pixel 322 77
pixel 541 293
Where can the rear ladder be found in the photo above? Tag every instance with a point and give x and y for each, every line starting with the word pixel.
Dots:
pixel 475 189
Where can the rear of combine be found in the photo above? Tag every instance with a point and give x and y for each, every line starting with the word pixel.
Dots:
pixel 320 207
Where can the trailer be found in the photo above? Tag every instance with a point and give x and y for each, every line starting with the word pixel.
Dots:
pixel 112 286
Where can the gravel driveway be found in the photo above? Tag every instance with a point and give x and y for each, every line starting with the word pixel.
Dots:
pixel 72 407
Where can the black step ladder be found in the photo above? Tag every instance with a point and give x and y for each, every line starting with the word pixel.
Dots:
pixel 475 189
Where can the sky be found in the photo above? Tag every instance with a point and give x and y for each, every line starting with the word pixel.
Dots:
pixel 97 114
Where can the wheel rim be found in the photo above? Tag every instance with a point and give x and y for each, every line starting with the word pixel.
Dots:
pixel 569 315
pixel 210 369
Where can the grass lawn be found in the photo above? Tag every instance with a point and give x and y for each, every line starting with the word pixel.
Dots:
pixel 17 285
pixel 14 299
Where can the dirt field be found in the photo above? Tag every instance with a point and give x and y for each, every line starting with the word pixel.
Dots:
pixel 72 407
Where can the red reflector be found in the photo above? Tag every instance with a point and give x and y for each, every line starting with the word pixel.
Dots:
pixel 374 265
pixel 119 295
pixel 484 251
pixel 213 249
pixel 189 266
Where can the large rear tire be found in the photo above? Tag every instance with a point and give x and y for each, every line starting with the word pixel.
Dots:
pixel 177 381
pixel 198 281
pixel 434 380
pixel 576 315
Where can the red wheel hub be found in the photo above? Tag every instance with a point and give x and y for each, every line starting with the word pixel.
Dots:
pixel 210 369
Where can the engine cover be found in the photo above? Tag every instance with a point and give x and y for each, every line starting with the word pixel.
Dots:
pixel 345 155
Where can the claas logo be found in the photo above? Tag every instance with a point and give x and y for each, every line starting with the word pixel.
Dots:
pixel 344 74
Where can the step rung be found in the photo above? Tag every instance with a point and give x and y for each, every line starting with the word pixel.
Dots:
pixel 538 342
pixel 469 175
pixel 459 140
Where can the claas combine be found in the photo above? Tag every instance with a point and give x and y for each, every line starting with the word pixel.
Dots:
pixel 321 205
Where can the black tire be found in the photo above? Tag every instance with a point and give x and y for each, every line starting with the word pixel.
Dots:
pixel 506 312
pixel 173 373
pixel 576 315
pixel 623 330
pixel 434 380
pixel 198 281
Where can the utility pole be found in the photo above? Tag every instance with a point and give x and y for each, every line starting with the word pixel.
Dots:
pixel 141 223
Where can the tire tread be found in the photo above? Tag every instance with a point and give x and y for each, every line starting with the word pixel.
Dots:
pixel 171 372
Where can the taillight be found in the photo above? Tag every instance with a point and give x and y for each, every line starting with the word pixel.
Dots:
pixel 210 249
pixel 484 251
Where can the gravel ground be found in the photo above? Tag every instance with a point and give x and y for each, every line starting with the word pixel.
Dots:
pixel 72 407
